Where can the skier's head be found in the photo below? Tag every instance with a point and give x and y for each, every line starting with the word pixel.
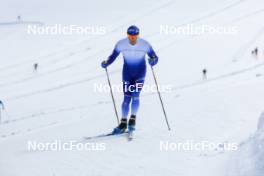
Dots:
pixel 133 33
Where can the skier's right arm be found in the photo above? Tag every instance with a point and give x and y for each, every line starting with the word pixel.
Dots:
pixel 112 57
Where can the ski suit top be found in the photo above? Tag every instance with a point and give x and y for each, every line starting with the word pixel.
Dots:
pixel 134 67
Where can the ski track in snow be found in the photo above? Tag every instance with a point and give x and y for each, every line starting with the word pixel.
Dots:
pixel 60 110
pixel 20 23
pixel 114 30
pixel 69 54
pixel 65 85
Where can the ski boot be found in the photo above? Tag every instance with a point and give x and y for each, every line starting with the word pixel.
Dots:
pixel 121 128
pixel 132 123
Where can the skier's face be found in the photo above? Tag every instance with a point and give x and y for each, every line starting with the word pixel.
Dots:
pixel 132 38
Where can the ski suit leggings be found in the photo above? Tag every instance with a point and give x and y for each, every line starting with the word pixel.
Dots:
pixel 131 91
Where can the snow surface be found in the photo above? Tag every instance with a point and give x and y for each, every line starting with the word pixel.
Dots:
pixel 58 102
pixel 248 160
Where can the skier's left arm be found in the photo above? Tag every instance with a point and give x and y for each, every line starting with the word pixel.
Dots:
pixel 153 58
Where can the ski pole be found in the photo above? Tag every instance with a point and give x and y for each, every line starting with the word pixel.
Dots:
pixel 112 95
pixel 162 105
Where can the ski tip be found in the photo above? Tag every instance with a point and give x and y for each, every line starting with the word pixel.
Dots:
pixel 130 136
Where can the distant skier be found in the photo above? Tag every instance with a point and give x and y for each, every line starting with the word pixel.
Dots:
pixel 18 18
pixel 2 105
pixel 204 74
pixel 1 108
pixel 36 67
pixel 134 50
pixel 256 51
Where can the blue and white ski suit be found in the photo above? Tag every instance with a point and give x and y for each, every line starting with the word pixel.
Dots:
pixel 134 70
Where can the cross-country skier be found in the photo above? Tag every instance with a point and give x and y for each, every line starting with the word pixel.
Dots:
pixel 36 67
pixel 2 105
pixel 1 108
pixel 19 18
pixel 256 51
pixel 204 74
pixel 134 50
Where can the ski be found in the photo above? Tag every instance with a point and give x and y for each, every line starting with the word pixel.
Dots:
pixel 102 136
pixel 130 135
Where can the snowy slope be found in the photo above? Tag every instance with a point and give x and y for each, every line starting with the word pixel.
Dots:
pixel 58 102
pixel 248 160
